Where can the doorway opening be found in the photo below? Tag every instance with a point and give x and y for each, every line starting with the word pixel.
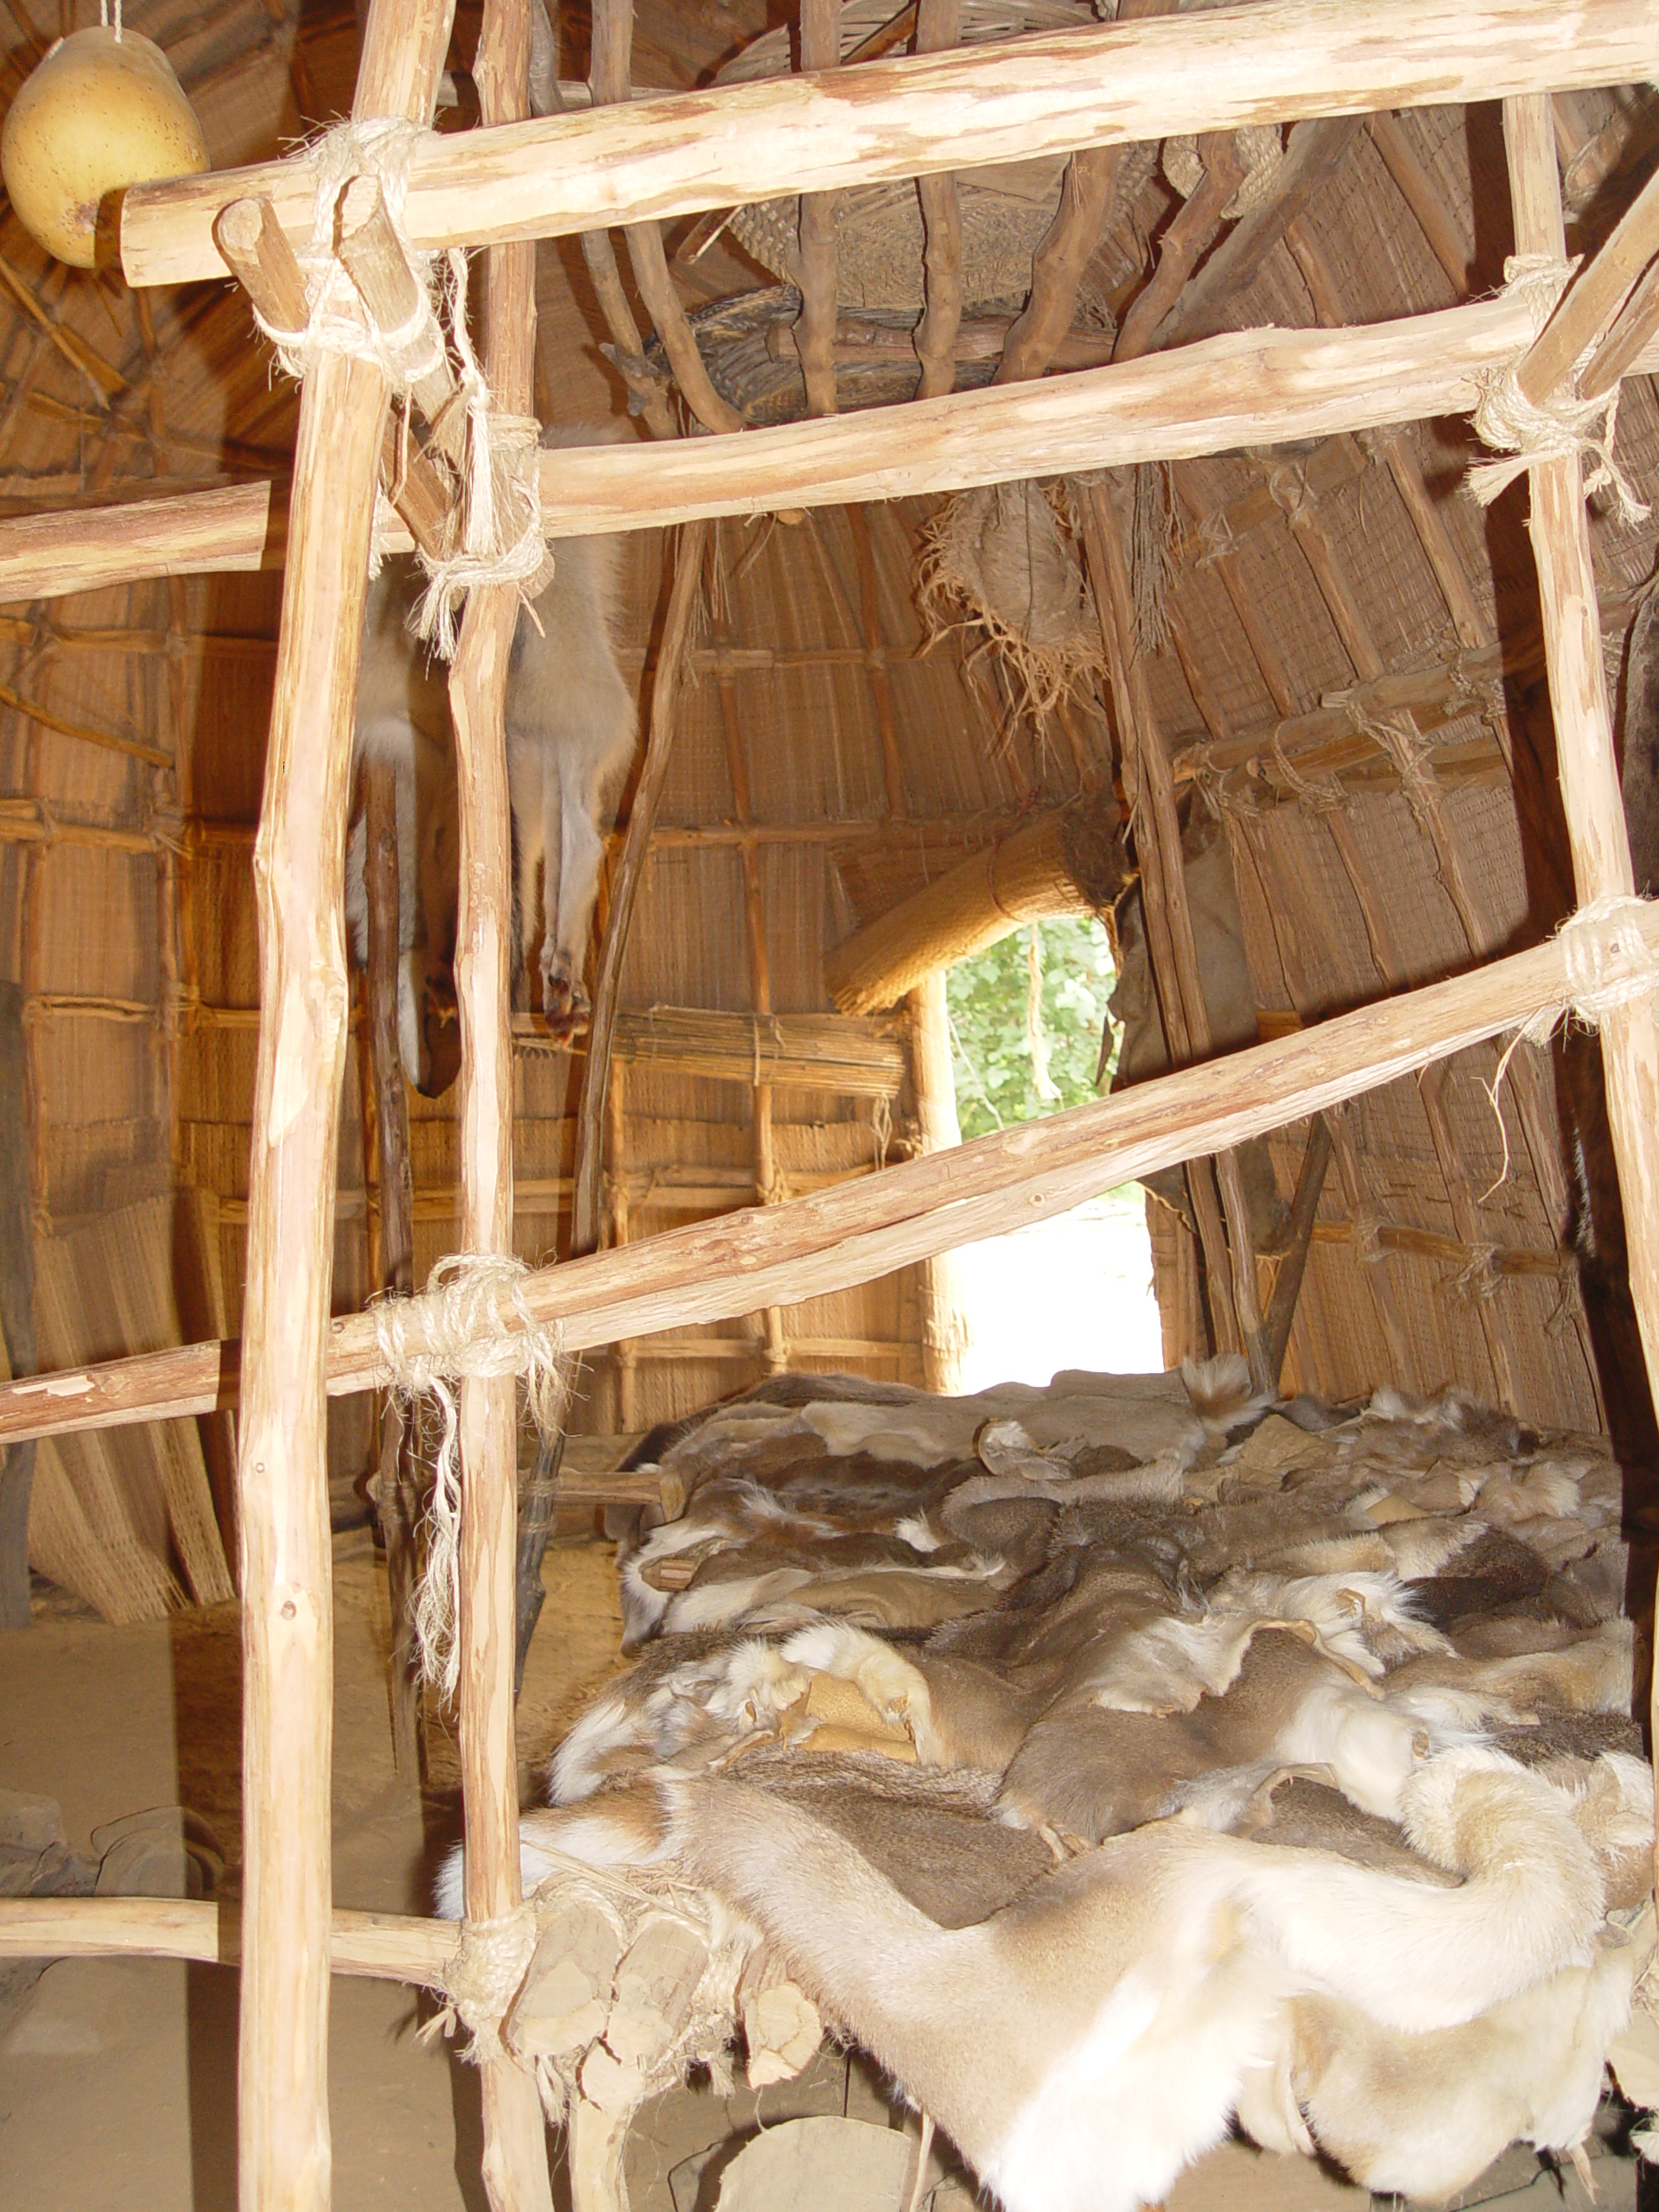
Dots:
pixel 1027 1020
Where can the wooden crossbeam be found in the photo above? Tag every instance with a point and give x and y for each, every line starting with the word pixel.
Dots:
pixel 1247 388
pixel 83 549
pixel 853 1233
pixel 738 143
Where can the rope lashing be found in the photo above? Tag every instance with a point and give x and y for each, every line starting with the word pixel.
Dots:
pixel 499 540
pixel 1608 963
pixel 1560 427
pixel 427 1346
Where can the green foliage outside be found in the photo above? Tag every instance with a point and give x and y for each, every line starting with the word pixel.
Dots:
pixel 1014 1061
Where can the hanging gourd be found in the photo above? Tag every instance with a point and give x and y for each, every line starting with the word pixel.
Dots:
pixel 103 110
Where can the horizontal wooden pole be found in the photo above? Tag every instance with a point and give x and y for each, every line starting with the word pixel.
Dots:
pixel 381 1946
pixel 839 1238
pixel 1259 387
pixel 1246 388
pixel 81 549
pixel 685 152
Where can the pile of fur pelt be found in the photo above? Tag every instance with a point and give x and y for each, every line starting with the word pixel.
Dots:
pixel 1120 1760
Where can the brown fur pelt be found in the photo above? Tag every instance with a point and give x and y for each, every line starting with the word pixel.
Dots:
pixel 1107 1784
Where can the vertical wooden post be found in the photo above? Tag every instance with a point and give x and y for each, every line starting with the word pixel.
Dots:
pixel 393 1250
pixel 624 1354
pixel 1230 1263
pixel 671 660
pixel 944 1326
pixel 938 26
pixel 298 867
pixel 774 1349
pixel 515 2140
pixel 1584 743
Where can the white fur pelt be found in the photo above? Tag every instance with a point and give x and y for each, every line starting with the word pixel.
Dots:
pixel 1127 1998
pixel 572 718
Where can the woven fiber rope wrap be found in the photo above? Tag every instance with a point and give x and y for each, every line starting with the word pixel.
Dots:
pixel 1563 425
pixel 428 1346
pixel 499 538
pixel 483 1978
pixel 1609 965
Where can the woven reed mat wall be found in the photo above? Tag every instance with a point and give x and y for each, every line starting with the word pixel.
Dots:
pixel 125 1517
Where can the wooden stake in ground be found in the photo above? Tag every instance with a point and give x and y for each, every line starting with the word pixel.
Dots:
pixel 299 866
pixel 515 2142
pixel 1584 744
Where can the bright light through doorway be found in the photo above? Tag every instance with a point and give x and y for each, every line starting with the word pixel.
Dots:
pixel 1027 1017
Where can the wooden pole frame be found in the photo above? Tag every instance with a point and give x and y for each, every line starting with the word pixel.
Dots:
pixel 850 1232
pixel 1292 58
pixel 1124 82
pixel 286 1580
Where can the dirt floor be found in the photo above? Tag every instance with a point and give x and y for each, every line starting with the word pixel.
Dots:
pixel 117 2077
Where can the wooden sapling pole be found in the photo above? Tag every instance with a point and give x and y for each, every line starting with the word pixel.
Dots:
pixel 298 868
pixel 1586 309
pixel 515 2144
pixel 1116 83
pixel 944 1328
pixel 1417 189
pixel 391 293
pixel 1191 232
pixel 225 530
pixel 16 1302
pixel 612 72
pixel 938 26
pixel 257 250
pixel 630 874
pixel 820 38
pixel 1233 1294
pixel 1086 198
pixel 1315 152
pixel 1304 1212
pixel 396 1497
pixel 1589 764
pixel 773 1348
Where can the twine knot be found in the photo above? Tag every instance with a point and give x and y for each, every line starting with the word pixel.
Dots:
pixel 427 1346
pixel 481 1980
pixel 1608 963
pixel 1561 426
pixel 498 539
pixel 1368 1240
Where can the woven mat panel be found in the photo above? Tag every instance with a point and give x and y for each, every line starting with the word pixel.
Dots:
pixel 1223 650
pixel 693 951
pixel 226 935
pixel 93 1080
pixel 102 1291
pixel 1004 212
pixel 95 925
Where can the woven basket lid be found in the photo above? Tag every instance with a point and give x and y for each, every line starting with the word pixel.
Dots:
pixel 880 237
